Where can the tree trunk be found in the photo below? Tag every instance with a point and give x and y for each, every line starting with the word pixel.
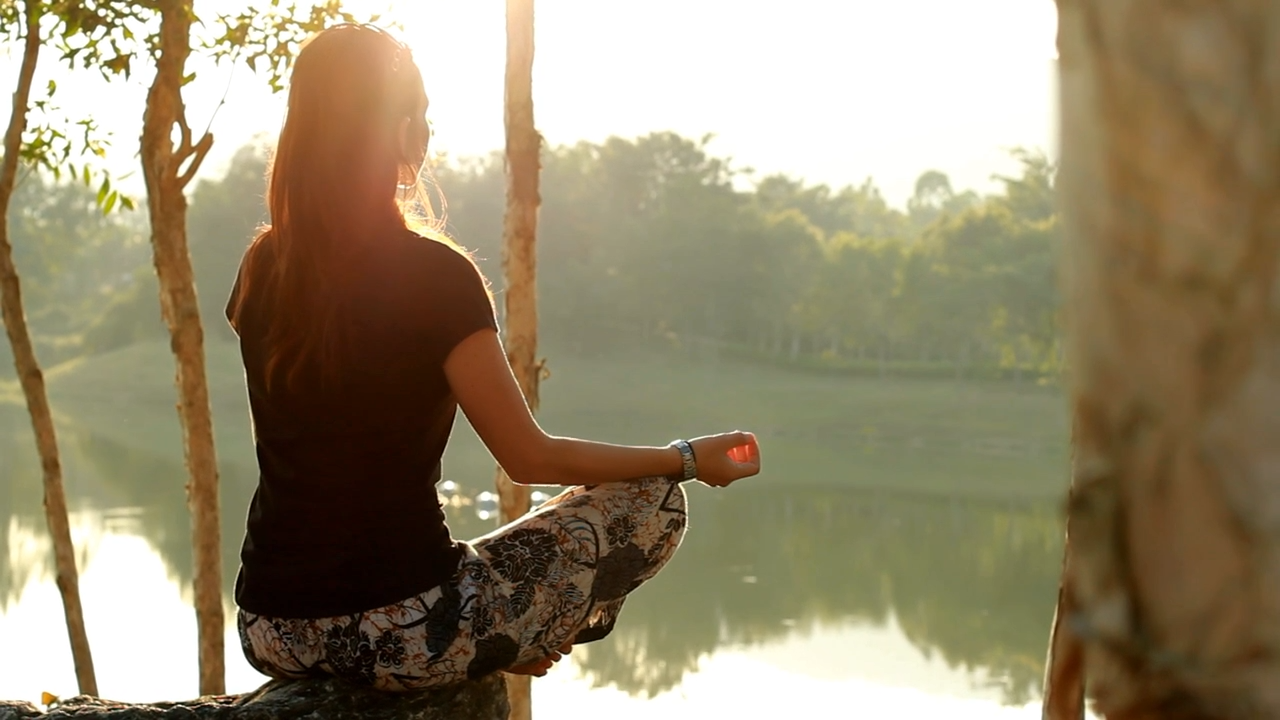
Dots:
pixel 32 380
pixel 166 177
pixel 1064 667
pixel 519 262
pixel 1170 186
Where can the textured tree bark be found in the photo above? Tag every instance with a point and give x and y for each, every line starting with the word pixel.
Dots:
pixel 30 376
pixel 1171 203
pixel 167 170
pixel 1064 671
pixel 519 262
pixel 1064 667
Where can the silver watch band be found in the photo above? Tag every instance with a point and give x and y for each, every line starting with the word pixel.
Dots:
pixel 687 458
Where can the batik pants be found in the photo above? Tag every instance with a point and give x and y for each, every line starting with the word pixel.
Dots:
pixel 557 575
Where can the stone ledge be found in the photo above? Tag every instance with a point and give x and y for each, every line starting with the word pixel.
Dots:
pixel 326 699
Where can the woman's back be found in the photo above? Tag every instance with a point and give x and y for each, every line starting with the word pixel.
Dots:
pixel 360 344
pixel 346 516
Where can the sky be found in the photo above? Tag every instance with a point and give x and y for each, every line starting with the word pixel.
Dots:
pixel 830 91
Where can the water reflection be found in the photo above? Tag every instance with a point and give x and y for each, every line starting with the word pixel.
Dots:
pixel 970 582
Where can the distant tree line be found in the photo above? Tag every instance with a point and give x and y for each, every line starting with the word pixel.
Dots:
pixel 646 241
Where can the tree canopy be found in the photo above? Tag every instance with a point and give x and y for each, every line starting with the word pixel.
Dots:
pixel 652 240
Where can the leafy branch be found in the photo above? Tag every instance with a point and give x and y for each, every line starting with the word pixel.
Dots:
pixel 269 38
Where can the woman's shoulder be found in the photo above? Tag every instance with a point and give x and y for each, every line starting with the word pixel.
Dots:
pixel 431 252
pixel 435 263
pixel 444 283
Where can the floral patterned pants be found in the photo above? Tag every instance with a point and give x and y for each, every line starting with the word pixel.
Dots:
pixel 559 574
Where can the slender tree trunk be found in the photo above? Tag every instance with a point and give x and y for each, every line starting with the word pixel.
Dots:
pixel 166 177
pixel 1170 187
pixel 32 380
pixel 519 262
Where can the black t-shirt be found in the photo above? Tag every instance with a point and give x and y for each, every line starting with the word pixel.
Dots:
pixel 346 517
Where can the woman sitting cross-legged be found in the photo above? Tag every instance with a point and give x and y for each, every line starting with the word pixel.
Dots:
pixel 360 339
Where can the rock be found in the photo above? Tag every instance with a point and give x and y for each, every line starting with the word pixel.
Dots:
pixel 327 699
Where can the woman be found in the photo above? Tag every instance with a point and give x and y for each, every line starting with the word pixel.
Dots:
pixel 360 340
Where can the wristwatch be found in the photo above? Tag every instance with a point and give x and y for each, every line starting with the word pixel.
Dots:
pixel 687 458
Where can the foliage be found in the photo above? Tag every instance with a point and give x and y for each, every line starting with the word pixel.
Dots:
pixel 111 37
pixel 82 274
pixel 89 34
pixel 268 38
pixel 652 241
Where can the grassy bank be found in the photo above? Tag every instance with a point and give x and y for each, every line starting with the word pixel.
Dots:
pixel 920 435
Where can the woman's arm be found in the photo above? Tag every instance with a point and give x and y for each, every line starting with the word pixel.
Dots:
pixel 487 391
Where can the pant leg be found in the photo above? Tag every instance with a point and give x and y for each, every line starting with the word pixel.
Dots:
pixel 572 561
pixel 558 574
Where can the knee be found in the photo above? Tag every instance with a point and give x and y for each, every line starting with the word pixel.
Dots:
pixel 657 504
pixel 664 504
pixel 678 497
pixel 659 494
pixel 674 500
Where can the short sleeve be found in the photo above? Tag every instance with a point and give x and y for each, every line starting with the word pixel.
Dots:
pixel 462 304
pixel 233 299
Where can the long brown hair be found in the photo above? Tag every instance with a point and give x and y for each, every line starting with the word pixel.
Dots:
pixel 354 137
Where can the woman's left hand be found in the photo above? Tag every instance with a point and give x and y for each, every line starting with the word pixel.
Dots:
pixel 726 458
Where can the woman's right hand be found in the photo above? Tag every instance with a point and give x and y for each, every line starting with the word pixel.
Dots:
pixel 725 458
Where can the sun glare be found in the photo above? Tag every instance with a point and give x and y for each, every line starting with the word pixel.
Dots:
pixel 832 92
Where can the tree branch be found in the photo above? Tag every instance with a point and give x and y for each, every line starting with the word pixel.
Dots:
pixel 185 148
pixel 21 101
pixel 197 155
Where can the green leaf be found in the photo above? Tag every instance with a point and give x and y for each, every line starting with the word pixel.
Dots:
pixel 111 203
pixel 126 202
pixel 104 189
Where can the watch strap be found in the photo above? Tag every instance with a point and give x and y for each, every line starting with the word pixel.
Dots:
pixel 687 458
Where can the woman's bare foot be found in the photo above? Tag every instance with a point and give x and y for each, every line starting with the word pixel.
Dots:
pixel 539 668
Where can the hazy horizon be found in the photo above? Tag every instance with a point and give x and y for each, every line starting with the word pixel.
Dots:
pixel 829 93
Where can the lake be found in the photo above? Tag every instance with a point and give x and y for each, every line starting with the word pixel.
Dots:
pixel 788 596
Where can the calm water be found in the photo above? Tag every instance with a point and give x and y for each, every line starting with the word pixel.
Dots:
pixel 784 599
